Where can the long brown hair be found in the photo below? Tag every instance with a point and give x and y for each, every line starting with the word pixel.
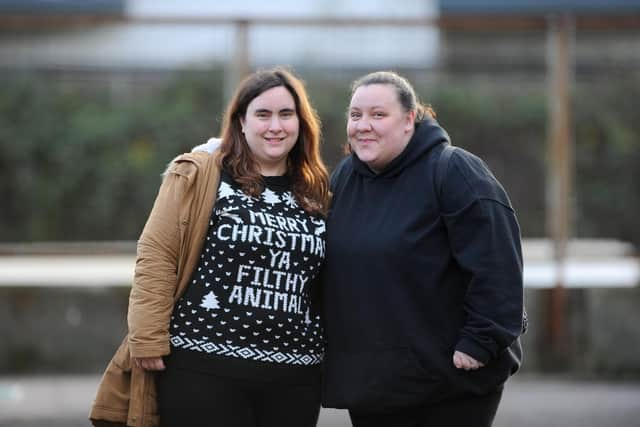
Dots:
pixel 304 164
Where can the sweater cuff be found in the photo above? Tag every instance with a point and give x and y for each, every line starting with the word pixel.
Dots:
pixel 473 349
pixel 148 350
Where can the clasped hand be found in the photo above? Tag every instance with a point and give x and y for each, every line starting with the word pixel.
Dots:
pixel 150 363
pixel 464 361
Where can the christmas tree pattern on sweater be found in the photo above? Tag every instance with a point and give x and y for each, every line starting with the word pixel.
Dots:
pixel 249 295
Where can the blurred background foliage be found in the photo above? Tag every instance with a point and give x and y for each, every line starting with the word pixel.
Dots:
pixel 82 163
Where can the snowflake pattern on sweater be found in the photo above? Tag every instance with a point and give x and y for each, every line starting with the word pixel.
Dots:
pixel 249 295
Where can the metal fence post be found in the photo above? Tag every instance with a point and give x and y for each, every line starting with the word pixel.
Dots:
pixel 560 173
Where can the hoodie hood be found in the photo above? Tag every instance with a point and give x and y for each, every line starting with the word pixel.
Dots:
pixel 427 134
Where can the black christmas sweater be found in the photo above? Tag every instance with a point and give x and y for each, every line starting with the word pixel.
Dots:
pixel 247 311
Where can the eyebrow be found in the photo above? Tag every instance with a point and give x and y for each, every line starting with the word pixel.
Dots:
pixel 373 107
pixel 266 110
pixel 373 110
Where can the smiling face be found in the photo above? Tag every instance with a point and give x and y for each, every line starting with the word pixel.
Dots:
pixel 271 128
pixel 378 127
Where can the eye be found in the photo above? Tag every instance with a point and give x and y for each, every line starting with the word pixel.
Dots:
pixel 354 115
pixel 379 114
pixel 287 114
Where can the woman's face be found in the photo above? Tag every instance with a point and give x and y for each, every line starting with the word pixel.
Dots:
pixel 271 127
pixel 378 127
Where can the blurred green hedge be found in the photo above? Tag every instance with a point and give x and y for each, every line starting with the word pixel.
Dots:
pixel 78 164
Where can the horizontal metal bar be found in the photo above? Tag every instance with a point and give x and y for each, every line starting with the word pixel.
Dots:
pixel 90 271
pixel 452 22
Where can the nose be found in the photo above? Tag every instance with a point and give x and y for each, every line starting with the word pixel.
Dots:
pixel 274 124
pixel 363 124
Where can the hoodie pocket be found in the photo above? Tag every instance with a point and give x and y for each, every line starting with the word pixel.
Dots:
pixel 377 380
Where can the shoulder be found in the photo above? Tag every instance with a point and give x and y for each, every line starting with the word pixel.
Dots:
pixel 188 164
pixel 468 175
pixel 340 172
pixel 343 167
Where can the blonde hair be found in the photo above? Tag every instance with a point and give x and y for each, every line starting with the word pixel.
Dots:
pixel 406 94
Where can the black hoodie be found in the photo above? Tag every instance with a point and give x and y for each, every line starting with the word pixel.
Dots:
pixel 413 273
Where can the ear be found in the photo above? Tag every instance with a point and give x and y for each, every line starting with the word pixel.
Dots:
pixel 410 121
pixel 242 124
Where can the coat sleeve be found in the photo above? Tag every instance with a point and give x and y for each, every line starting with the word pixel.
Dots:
pixel 155 278
pixel 484 238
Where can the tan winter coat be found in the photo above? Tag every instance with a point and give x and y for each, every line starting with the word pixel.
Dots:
pixel 167 253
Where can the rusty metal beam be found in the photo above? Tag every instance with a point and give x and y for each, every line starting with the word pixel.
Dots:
pixel 240 65
pixel 10 21
pixel 52 21
pixel 560 168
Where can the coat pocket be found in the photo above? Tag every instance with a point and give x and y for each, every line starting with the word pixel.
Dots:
pixel 377 380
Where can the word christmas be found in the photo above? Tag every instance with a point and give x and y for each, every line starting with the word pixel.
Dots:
pixel 283 233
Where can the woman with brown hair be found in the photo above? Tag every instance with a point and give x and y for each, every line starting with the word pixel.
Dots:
pixel 221 320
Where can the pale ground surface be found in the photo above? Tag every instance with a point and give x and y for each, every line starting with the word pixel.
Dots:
pixel 529 401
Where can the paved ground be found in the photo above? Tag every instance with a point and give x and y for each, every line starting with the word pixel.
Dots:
pixel 528 402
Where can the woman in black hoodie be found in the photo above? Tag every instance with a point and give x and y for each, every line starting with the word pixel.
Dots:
pixel 423 293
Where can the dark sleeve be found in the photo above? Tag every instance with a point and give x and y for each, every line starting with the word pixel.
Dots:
pixel 484 237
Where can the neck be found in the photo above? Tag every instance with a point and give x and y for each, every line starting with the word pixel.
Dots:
pixel 275 169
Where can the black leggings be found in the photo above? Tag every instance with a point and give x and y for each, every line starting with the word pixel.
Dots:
pixel 472 411
pixel 194 399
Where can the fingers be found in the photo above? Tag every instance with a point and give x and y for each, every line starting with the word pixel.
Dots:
pixel 161 366
pixel 464 361
pixel 150 363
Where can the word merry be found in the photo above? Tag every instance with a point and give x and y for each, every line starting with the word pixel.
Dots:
pixel 283 223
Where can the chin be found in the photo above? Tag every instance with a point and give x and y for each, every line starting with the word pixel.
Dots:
pixel 276 154
pixel 366 157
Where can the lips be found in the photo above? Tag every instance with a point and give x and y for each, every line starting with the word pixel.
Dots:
pixel 274 140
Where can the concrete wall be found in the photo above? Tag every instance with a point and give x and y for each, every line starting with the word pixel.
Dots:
pixel 76 330
pixel 55 330
pixel 602 336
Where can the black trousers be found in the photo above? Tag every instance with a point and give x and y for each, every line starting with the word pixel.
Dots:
pixel 194 399
pixel 472 411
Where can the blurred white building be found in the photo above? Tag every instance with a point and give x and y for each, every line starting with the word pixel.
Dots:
pixel 136 43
